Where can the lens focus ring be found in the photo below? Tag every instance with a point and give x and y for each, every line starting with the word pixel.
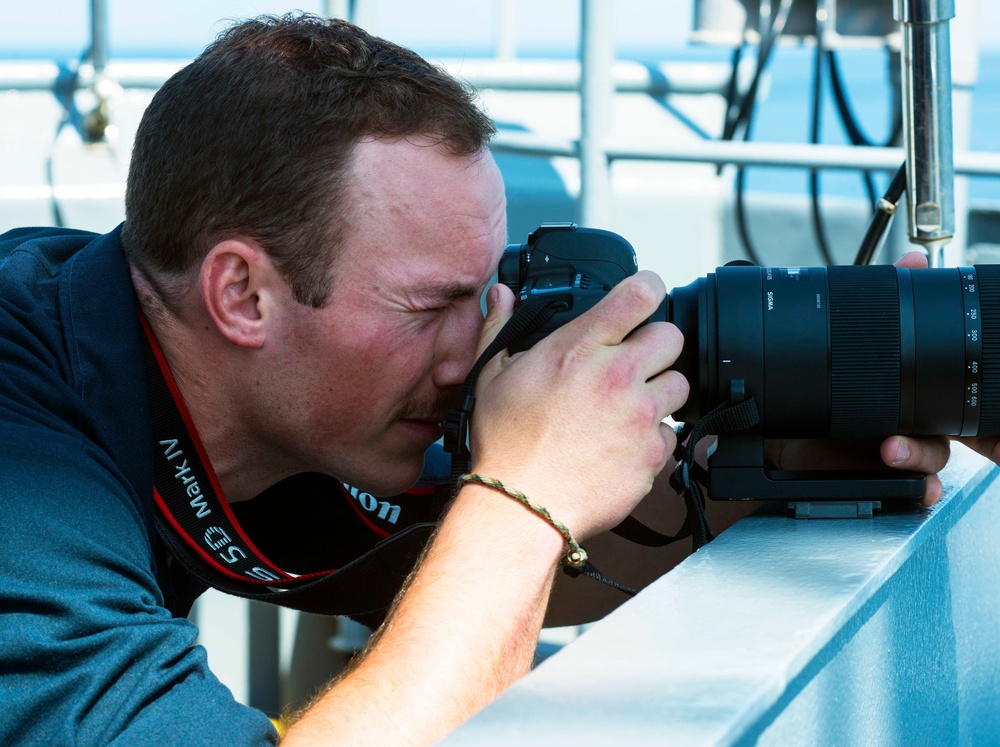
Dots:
pixel 989 288
pixel 864 352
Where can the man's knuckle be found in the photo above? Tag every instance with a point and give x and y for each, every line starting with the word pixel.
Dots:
pixel 638 295
pixel 678 385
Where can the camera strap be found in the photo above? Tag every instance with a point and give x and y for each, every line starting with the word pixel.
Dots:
pixel 201 531
pixel 686 479
pixel 530 316
pixel 688 476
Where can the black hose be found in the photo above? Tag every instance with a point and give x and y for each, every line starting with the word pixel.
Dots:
pixel 732 90
pixel 745 115
pixel 815 127
pixel 850 121
pixel 846 110
pixel 736 116
pixel 741 219
pixel 884 211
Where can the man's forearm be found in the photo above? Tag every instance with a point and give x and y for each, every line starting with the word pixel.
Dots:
pixel 464 630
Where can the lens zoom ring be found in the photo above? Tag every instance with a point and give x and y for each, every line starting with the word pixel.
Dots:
pixel 864 352
pixel 989 289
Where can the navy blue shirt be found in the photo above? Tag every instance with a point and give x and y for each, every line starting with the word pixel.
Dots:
pixel 91 652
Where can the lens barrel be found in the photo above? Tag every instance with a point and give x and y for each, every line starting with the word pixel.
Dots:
pixel 846 352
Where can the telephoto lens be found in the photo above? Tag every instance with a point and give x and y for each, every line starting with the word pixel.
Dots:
pixel 846 352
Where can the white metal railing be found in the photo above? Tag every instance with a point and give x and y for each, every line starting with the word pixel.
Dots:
pixel 792 155
pixel 788 631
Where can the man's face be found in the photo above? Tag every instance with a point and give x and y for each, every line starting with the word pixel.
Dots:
pixel 369 377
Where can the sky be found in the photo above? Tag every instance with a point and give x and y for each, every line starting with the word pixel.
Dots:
pixel 154 28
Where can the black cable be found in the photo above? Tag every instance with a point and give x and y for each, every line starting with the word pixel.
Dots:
pixel 64 90
pixel 742 226
pixel 850 121
pixel 57 217
pixel 884 210
pixel 745 116
pixel 815 128
pixel 732 85
pixel 65 87
pixel 741 114
pixel 732 90
pixel 846 110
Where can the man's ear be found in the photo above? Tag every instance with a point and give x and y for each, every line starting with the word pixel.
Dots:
pixel 236 281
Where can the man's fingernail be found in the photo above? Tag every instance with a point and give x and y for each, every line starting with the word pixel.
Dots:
pixel 492 296
pixel 902 453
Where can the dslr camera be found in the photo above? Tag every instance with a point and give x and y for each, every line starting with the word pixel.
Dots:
pixel 843 352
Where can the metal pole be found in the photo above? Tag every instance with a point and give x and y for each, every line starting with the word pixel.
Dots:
pixel 337 9
pixel 99 36
pixel 964 72
pixel 96 122
pixel 264 677
pixel 927 131
pixel 782 155
pixel 596 99
pixel 364 13
pixel 505 36
pixel 509 75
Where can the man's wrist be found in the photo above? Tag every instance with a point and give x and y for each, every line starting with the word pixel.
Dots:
pixel 575 555
pixel 512 526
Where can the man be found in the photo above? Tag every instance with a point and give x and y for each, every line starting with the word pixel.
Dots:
pixel 312 217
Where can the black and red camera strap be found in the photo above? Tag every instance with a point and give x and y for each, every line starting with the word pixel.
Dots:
pixel 202 532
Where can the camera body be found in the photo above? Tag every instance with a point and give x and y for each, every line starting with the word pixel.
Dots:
pixel 571 266
pixel 852 352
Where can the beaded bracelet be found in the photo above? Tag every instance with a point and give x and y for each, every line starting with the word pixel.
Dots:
pixel 575 555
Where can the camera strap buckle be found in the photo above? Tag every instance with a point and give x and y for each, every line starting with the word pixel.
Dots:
pixel 456 429
pixel 728 417
pixel 688 475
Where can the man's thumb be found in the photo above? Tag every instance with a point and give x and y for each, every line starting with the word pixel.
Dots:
pixel 499 310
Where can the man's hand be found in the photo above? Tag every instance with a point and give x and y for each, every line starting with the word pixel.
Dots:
pixel 927 455
pixel 576 421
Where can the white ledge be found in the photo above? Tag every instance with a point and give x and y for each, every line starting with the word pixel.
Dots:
pixel 790 631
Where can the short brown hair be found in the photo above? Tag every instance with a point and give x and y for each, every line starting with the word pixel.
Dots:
pixel 255 138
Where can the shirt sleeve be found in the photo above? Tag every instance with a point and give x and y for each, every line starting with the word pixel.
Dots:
pixel 90 654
